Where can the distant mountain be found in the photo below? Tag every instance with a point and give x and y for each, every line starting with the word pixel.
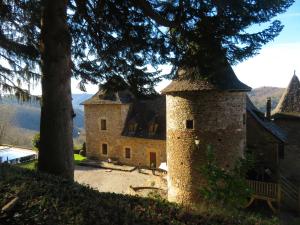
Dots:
pixel 78 99
pixel 259 96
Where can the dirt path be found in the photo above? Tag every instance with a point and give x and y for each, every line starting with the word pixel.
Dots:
pixel 115 181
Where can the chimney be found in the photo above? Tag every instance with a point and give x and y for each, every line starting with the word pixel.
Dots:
pixel 268 109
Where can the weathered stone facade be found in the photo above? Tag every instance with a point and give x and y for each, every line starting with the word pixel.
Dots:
pixel 290 165
pixel 115 115
pixel 219 121
pixel 265 148
pixel 287 116
pixel 266 141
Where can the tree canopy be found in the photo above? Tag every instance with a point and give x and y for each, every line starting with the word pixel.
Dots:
pixel 112 40
pixel 211 31
pixel 122 38
pixel 109 38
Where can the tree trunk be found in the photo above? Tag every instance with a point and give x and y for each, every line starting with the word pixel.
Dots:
pixel 56 150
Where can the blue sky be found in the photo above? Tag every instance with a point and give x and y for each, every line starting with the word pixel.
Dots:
pixel 275 64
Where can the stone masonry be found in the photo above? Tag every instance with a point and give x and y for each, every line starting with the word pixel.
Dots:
pixel 219 121
pixel 115 116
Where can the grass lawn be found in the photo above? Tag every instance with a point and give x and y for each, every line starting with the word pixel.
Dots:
pixel 78 158
pixel 31 165
pixel 28 165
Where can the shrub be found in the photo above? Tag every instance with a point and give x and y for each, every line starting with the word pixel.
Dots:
pixel 226 188
pixel 36 141
pixel 46 199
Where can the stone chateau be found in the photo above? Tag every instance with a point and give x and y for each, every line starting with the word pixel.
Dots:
pixel 177 127
pixel 121 128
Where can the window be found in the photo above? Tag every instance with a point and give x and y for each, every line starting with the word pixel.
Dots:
pixel 127 153
pixel 104 149
pixel 244 119
pixel 103 124
pixel 132 127
pixel 152 128
pixel 189 124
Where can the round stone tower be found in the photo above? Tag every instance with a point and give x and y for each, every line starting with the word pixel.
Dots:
pixel 212 113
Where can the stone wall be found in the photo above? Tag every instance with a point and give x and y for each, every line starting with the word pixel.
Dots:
pixel 264 147
pixel 115 115
pixel 291 164
pixel 140 151
pixel 219 121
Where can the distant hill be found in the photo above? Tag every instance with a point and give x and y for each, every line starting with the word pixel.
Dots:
pixel 78 99
pixel 259 96
pixel 24 118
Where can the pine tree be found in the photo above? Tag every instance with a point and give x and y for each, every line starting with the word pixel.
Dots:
pixel 215 31
pixel 91 40
pixel 95 39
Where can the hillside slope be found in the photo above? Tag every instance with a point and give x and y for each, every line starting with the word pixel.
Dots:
pixel 22 120
pixel 27 115
pixel 259 96
pixel 45 199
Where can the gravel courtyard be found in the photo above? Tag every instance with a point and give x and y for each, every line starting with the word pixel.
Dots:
pixel 115 181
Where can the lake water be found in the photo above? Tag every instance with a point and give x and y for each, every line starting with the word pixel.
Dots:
pixel 16 155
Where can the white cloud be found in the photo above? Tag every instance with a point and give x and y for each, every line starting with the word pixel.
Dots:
pixel 274 66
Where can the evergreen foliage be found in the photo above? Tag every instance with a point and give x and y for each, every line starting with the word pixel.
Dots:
pixel 212 32
pixel 36 141
pixel 96 39
pixel 122 38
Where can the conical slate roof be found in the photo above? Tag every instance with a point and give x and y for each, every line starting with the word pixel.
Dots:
pixel 290 100
pixel 223 78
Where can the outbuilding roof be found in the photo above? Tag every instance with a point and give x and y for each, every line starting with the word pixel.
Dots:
pixel 269 126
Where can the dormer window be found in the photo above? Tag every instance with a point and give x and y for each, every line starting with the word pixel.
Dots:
pixel 153 128
pixel 103 124
pixel 189 124
pixel 132 127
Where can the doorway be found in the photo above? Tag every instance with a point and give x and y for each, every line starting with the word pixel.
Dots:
pixel 153 159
